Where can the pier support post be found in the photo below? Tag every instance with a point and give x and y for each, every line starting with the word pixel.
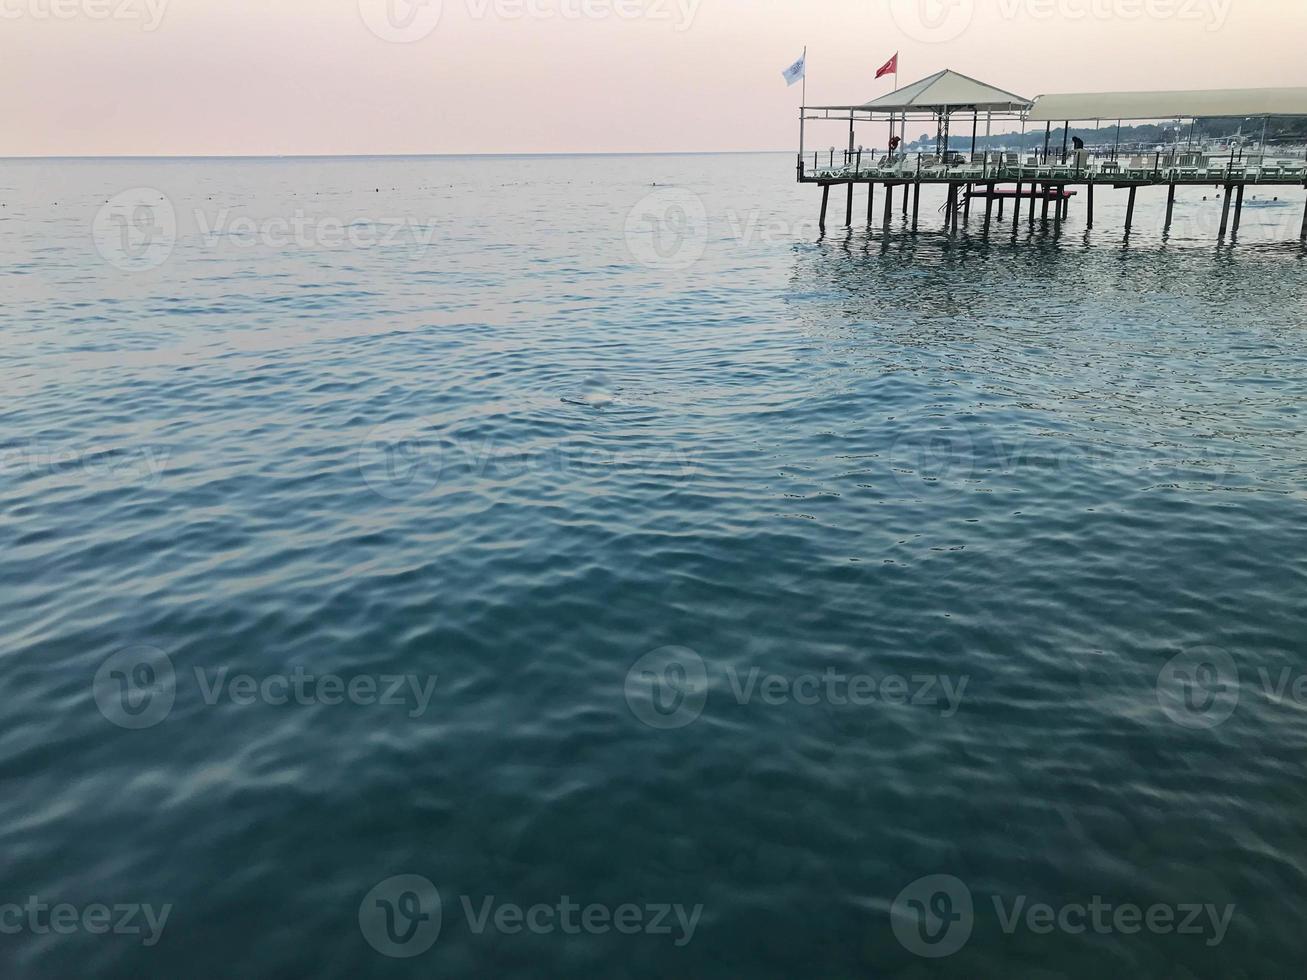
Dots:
pixel 1060 191
pixel 1089 214
pixel 871 200
pixel 1033 188
pixel 1002 206
pixel 916 205
pixel 848 213
pixel 1016 209
pixel 1044 210
pixel 1238 209
pixel 1170 204
pixel 1304 224
pixel 989 205
pixel 1225 210
pixel 1130 210
pixel 951 208
pixel 966 207
pixel 905 200
pixel 889 204
pixel 825 199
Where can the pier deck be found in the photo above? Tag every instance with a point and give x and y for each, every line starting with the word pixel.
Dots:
pixel 1122 177
pixel 1046 173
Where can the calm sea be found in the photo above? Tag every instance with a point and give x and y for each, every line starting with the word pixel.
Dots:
pixel 572 566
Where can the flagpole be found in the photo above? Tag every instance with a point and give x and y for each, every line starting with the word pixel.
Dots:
pixel 903 116
pixel 803 102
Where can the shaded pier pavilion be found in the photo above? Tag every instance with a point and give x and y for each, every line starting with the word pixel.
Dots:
pixel 1049 174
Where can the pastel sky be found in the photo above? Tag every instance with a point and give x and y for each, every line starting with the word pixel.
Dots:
pixel 101 77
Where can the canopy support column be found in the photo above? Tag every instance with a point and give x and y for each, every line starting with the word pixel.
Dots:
pixel 801 120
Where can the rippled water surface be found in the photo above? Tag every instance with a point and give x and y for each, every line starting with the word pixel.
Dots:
pixel 721 567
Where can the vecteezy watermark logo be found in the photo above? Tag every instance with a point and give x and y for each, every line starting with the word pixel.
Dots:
pixel 404 460
pixel 667 688
pixel 941 459
pixel 136 230
pixel 933 916
pixel 302 230
pixel 1199 688
pixel 406 21
pixel 932 21
pixel 1125 918
pixel 837 688
pixel 572 919
pixel 401 916
pixel 756 227
pixel 114 465
pixel 680 12
pixel 410 691
pixel 401 21
pixel 668 229
pixel 63 919
pixel 1211 13
pixel 148 13
pixel 135 688
pixel 400 460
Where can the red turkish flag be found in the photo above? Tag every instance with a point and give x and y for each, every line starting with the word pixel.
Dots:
pixel 891 66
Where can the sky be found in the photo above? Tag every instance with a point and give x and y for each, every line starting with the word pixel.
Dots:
pixel 256 77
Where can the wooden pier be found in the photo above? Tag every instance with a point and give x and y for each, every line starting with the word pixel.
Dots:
pixel 1048 177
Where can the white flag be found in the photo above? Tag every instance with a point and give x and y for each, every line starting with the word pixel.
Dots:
pixel 796 71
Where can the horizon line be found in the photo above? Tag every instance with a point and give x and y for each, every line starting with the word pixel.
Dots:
pixel 376 156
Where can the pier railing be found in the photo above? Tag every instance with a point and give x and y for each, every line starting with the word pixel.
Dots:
pixel 1082 166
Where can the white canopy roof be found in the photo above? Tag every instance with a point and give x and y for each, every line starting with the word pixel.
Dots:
pixel 1170 105
pixel 943 90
